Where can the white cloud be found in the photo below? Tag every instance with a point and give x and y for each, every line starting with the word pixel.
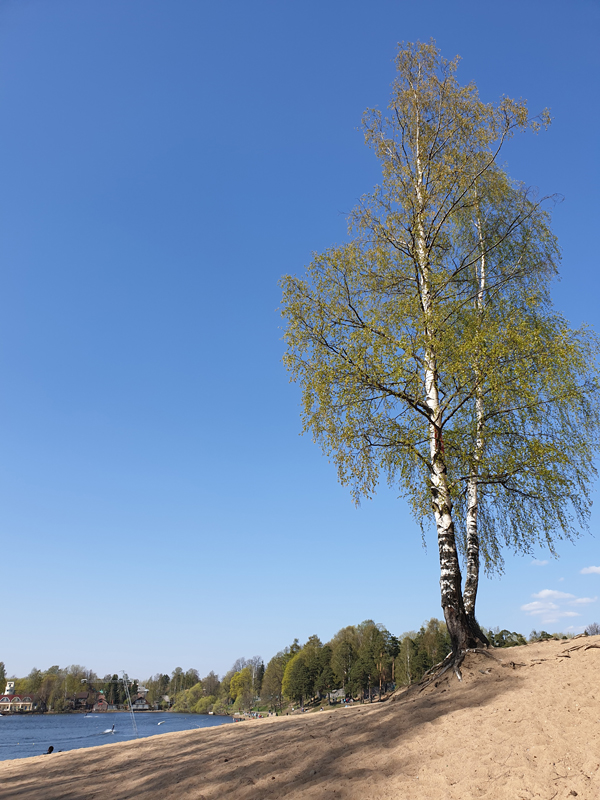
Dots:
pixel 538 608
pixel 555 617
pixel 590 571
pixel 549 605
pixel 552 594
pixel 537 563
pixel 560 579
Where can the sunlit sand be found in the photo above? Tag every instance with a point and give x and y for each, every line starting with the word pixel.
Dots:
pixel 523 723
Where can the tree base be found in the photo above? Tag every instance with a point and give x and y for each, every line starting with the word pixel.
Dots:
pixel 453 661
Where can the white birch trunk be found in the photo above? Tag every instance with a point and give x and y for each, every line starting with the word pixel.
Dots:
pixel 472 579
pixel 450 575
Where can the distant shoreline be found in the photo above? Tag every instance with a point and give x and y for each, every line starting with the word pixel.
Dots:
pixel 78 712
pixel 517 716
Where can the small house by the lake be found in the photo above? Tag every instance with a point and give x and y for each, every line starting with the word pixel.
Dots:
pixel 11 702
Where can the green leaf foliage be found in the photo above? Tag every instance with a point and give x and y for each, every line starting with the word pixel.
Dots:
pixel 427 349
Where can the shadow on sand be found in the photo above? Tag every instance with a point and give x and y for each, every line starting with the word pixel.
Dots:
pixel 325 751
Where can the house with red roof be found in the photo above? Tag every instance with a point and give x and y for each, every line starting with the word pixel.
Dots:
pixel 101 703
pixel 11 702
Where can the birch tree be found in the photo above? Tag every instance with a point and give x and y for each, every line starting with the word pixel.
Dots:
pixel 385 334
pixel 531 464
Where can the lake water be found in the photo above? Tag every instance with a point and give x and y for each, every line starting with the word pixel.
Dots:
pixel 32 734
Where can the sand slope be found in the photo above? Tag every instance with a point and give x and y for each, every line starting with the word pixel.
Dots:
pixel 517 731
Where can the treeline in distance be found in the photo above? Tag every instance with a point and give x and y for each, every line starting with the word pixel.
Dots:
pixel 362 662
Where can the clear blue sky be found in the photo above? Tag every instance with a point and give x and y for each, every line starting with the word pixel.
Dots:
pixel 163 164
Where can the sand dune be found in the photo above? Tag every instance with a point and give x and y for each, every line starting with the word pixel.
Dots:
pixel 524 723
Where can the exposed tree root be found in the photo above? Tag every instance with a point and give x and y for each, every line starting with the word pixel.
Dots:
pixel 484 651
pixel 453 661
pixel 435 667
pixel 582 647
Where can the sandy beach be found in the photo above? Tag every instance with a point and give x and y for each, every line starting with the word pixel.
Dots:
pixel 523 723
